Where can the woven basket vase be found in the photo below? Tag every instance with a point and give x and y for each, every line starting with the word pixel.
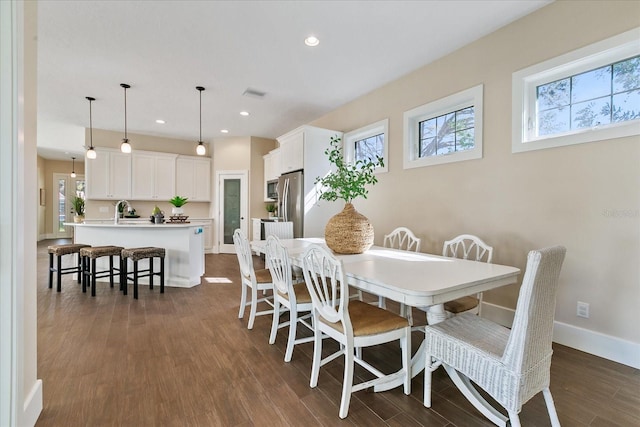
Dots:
pixel 349 232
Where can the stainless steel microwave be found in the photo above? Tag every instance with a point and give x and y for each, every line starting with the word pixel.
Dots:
pixel 272 189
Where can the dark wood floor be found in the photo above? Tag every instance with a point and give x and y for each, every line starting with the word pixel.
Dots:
pixel 185 359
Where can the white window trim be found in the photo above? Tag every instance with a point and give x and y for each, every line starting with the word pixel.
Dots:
pixel 377 128
pixel 524 83
pixel 458 101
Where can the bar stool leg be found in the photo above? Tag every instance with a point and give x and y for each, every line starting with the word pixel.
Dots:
pixel 59 288
pixel 79 268
pixel 135 279
pixel 162 275
pixel 51 271
pixel 125 276
pixel 150 272
pixel 93 277
pixel 111 270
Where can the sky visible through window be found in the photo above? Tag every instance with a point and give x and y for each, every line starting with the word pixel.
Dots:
pixel 598 97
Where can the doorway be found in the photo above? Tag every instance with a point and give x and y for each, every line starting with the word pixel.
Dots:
pixel 64 189
pixel 232 207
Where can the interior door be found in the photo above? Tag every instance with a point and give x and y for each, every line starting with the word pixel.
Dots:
pixel 64 189
pixel 232 207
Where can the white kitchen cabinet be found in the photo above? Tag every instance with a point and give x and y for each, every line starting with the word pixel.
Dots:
pixel 108 176
pixel 271 169
pixel 292 151
pixel 193 178
pixel 153 176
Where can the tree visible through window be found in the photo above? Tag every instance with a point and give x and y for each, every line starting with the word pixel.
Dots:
pixel 448 133
pixel 602 96
pixel 369 148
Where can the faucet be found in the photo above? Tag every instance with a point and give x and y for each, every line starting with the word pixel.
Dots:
pixel 115 220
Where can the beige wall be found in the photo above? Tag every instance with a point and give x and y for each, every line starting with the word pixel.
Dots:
pixel 519 202
pixel 259 147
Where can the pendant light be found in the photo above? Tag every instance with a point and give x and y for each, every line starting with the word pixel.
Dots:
pixel 73 167
pixel 125 147
pixel 91 153
pixel 201 150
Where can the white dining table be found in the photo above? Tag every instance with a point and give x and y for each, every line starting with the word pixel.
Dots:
pixel 413 278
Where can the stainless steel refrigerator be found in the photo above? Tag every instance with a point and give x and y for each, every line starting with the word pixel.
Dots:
pixel 291 200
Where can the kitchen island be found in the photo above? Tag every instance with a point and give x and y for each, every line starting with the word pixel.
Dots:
pixel 183 242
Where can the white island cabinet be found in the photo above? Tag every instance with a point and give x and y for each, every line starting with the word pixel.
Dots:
pixel 183 243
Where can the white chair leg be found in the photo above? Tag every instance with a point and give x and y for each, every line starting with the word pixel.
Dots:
pixel 551 408
pixel 254 306
pixel 514 420
pixel 406 311
pixel 405 344
pixel 347 382
pixel 276 320
pixel 293 326
pixel 427 381
pixel 317 353
pixel 382 302
pixel 359 352
pixel 243 301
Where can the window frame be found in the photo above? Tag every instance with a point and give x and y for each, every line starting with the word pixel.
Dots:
pixel 526 81
pixel 472 97
pixel 374 129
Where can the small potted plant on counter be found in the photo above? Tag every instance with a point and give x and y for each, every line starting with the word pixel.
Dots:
pixel 78 207
pixel 178 202
pixel 271 208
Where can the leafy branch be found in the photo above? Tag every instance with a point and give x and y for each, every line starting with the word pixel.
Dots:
pixel 349 179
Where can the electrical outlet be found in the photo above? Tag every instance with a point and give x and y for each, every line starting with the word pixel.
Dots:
pixel 104 209
pixel 583 310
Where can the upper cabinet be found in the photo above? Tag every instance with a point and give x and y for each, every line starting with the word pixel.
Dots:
pixel 108 176
pixel 193 178
pixel 153 175
pixel 292 151
pixel 271 165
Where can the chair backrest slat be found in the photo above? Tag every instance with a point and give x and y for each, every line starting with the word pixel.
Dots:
pixel 468 246
pixel 402 238
pixel 279 264
pixel 245 258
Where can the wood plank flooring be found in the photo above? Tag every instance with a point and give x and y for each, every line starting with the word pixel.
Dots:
pixel 185 359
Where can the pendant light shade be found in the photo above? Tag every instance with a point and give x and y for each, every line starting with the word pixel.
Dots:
pixel 91 153
pixel 73 167
pixel 201 150
pixel 125 147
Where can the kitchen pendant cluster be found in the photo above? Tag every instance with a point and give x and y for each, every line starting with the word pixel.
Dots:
pixel 125 146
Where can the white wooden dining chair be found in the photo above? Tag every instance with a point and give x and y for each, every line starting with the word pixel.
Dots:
pixel 251 280
pixel 353 324
pixel 466 246
pixel 401 238
pixel 287 296
pixel 511 365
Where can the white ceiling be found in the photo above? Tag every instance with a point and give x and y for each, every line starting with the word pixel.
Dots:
pixel 164 49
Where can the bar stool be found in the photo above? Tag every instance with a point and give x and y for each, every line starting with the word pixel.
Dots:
pixel 89 268
pixel 136 254
pixel 59 251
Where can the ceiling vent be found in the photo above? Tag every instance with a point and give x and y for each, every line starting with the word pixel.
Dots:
pixel 254 93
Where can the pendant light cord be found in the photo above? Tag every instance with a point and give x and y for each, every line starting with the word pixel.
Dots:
pixel 90 126
pixel 200 140
pixel 125 112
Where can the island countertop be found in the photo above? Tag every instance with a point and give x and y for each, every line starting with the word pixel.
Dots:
pixel 183 243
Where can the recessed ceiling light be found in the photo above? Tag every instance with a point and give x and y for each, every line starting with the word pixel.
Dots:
pixel 311 41
pixel 160 121
pixel 224 131
pixel 244 113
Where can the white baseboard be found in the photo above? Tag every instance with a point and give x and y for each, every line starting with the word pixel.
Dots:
pixel 596 343
pixel 32 405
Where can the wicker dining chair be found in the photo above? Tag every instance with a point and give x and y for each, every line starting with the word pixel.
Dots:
pixel 511 365
pixel 287 296
pixel 353 324
pixel 252 280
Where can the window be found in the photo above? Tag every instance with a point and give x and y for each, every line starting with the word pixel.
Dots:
pixel 586 95
pixel 368 142
pixel 444 131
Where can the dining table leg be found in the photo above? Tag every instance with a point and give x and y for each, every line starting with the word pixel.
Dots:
pixel 435 314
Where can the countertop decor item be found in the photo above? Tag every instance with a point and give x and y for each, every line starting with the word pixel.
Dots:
pixel 78 207
pixel 348 232
pixel 178 202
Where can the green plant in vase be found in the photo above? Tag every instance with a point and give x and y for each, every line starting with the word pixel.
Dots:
pixel 78 205
pixel 178 202
pixel 348 232
pixel 271 208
